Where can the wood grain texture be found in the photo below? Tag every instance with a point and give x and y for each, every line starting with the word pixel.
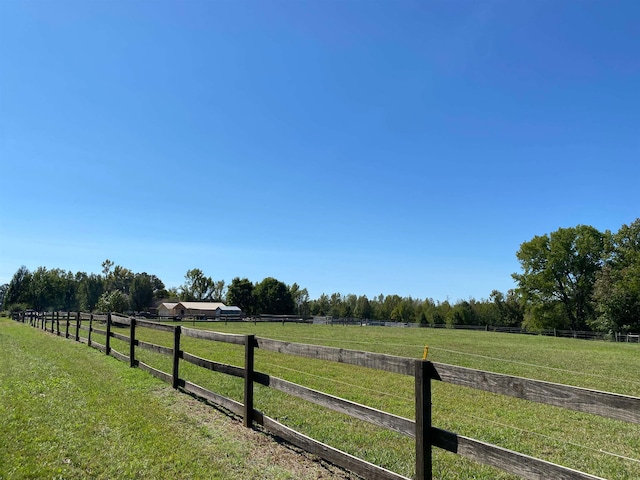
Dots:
pixel 213 366
pixel 119 336
pixel 507 460
pixel 378 361
pixel 156 325
pixel 215 336
pixel 154 348
pixel 604 404
pixel 120 319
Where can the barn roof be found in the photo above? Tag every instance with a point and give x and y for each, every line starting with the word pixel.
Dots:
pixel 201 305
pixel 229 308
pixel 168 305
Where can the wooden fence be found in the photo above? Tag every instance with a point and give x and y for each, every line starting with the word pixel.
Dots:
pixel 608 405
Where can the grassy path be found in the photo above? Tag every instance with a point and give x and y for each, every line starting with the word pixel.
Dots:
pixel 70 412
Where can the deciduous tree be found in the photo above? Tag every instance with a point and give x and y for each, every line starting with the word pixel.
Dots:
pixel 240 294
pixel 560 270
pixel 300 297
pixel 89 289
pixel 197 286
pixel 113 301
pixel 17 295
pixel 617 288
pixel 273 297
pixel 141 292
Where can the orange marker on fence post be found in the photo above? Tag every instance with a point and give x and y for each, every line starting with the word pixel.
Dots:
pixel 426 352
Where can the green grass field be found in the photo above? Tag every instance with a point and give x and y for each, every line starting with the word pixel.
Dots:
pixel 585 442
pixel 70 412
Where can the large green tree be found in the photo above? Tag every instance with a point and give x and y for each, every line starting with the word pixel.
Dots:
pixel 508 309
pixel 300 298
pixel 43 289
pixel 53 289
pixel 113 301
pixel 199 287
pixel 240 294
pixel 18 292
pixel 141 292
pixel 273 297
pixel 617 288
pixel 336 309
pixel 363 308
pixel 558 276
pixel 89 288
pixel 321 306
pixel 462 313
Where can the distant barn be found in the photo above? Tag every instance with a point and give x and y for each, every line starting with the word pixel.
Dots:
pixel 208 310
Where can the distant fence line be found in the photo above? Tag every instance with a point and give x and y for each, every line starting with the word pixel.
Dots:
pixel 608 405
pixel 328 320
pixel 550 332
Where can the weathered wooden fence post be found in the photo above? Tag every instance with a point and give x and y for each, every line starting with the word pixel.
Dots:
pixel 423 420
pixel 176 357
pixel 107 342
pixel 78 326
pixel 132 342
pixel 249 353
pixel 90 329
pixel 66 331
pixel 58 323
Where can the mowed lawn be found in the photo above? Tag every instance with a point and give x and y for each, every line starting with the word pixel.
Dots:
pixel 69 412
pixel 607 448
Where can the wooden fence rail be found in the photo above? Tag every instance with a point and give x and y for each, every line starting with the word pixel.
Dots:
pixel 608 405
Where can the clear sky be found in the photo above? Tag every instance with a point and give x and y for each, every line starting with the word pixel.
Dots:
pixel 354 146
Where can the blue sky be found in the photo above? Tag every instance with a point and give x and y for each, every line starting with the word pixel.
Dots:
pixel 350 146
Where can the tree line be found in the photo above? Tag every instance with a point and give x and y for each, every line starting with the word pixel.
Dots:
pixel 574 278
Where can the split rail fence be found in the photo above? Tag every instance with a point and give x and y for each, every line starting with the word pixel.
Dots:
pixel 608 405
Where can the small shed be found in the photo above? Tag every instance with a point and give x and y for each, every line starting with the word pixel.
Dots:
pixel 229 313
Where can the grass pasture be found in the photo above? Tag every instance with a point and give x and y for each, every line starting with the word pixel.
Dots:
pixel 70 412
pixel 573 439
pixel 607 448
